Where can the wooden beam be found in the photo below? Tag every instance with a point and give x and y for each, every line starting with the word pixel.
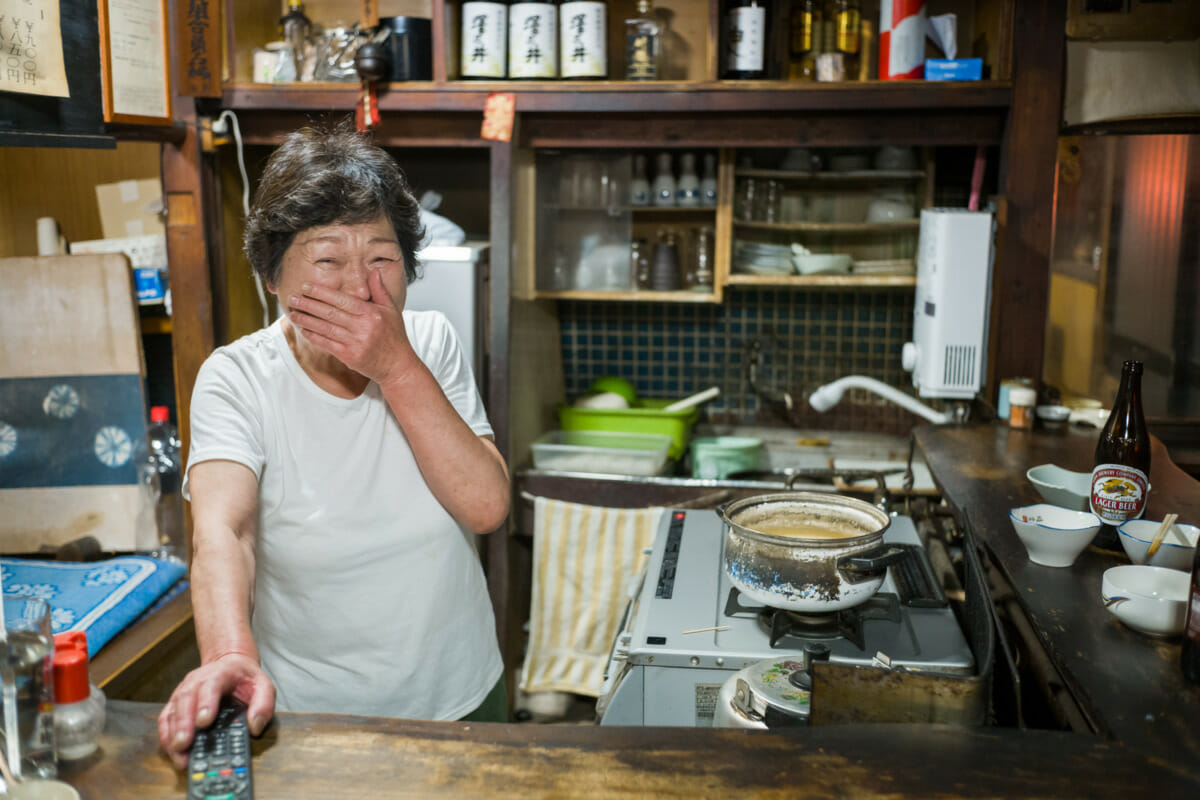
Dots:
pixel 187 256
pixel 1021 280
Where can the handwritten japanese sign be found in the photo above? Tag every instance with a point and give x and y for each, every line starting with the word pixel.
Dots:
pixel 31 54
pixel 199 47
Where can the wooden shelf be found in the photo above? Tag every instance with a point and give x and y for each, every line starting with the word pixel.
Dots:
pixel 862 176
pixel 674 211
pixel 833 227
pixel 600 96
pixel 801 281
pixel 641 296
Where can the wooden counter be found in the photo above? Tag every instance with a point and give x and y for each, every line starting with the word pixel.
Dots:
pixel 1128 685
pixel 304 756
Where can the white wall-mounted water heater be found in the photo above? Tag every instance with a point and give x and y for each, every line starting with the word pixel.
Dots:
pixel 948 352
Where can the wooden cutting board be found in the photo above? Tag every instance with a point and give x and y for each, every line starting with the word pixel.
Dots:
pixel 72 405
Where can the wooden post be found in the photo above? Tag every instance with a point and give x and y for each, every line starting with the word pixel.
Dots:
pixel 1021 280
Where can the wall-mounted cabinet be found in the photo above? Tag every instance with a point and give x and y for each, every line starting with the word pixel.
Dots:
pixel 778 217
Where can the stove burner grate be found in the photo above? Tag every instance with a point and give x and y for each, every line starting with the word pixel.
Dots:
pixel 791 629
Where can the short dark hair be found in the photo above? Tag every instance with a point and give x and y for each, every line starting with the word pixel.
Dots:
pixel 325 177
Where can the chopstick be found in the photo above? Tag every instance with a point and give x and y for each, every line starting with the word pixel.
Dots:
pixel 1160 533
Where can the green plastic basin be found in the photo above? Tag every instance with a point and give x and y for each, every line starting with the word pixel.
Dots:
pixel 647 416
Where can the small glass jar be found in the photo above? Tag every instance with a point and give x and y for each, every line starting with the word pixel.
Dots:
pixel 639 262
pixel 1021 402
pixel 701 271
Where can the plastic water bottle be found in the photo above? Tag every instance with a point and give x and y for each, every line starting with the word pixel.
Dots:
pixel 164 457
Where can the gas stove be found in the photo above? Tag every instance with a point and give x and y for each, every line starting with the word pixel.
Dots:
pixel 687 629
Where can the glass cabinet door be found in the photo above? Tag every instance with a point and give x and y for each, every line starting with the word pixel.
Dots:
pixel 584 231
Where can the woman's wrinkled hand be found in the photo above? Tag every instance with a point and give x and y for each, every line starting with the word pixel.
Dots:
pixel 368 336
pixel 195 701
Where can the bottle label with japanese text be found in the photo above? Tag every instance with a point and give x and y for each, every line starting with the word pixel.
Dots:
pixel 747 33
pixel 581 40
pixel 484 36
pixel 1118 493
pixel 532 50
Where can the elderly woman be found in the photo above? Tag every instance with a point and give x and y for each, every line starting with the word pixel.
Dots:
pixel 340 464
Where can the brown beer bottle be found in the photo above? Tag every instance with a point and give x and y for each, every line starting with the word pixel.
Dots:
pixel 1189 653
pixel 1121 475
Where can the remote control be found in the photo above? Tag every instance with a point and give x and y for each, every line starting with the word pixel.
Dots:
pixel 219 762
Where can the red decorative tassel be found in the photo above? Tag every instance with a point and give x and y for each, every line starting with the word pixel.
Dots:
pixel 366 112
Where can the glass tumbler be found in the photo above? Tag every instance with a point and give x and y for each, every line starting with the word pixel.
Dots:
pixel 664 276
pixel 701 271
pixel 26 674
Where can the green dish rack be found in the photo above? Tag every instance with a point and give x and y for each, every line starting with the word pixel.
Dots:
pixel 647 416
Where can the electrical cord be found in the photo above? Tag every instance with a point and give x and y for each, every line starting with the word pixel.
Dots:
pixel 218 127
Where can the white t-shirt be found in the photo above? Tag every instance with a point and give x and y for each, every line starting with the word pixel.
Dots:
pixel 369 597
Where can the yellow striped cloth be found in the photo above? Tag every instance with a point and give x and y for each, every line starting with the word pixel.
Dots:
pixel 584 560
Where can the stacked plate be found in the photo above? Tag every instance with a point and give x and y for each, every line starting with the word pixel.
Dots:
pixel 758 258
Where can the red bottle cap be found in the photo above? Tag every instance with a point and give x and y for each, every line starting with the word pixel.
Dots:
pixel 160 414
pixel 76 640
pixel 70 676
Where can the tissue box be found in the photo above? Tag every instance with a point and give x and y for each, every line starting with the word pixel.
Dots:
pixel 953 69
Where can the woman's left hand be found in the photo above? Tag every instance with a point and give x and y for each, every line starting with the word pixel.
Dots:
pixel 368 336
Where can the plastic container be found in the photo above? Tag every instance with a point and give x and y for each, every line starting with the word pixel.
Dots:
pixel 602 452
pixel 78 704
pixel 647 416
pixel 720 456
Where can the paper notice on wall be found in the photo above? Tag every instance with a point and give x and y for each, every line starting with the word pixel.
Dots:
pixel 31 52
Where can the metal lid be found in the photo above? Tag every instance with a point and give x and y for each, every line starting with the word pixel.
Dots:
pixel 766 689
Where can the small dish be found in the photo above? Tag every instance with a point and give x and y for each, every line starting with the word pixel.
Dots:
pixel 1053 417
pixel 1053 536
pixel 1151 600
pixel 1175 552
pixel 1061 487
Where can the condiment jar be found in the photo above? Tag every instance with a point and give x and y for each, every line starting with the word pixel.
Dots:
pixel 78 704
pixel 1021 402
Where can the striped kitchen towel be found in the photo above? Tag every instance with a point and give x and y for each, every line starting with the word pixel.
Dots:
pixel 584 561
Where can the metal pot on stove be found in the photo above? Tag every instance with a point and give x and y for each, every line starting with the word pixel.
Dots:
pixel 806 551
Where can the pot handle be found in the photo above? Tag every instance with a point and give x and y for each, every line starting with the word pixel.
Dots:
pixel 872 561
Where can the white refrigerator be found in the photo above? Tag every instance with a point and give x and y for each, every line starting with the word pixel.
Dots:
pixel 454 280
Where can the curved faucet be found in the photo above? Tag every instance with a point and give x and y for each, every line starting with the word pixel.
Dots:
pixel 755 347
pixel 830 394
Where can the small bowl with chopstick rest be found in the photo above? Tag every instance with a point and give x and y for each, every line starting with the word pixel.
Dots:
pixel 1151 600
pixel 1053 536
pixel 1176 550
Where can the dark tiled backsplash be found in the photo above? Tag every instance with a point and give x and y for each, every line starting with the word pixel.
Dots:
pixel 807 338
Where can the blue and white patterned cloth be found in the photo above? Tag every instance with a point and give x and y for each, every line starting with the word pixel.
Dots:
pixel 99 598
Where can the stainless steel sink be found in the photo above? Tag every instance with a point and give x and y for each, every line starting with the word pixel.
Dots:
pixel 786 450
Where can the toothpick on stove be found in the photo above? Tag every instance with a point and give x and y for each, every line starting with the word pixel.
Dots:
pixel 705 630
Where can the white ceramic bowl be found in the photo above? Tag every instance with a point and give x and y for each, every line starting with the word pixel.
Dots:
pixel 1053 536
pixel 1061 487
pixel 886 209
pixel 1177 548
pixel 1151 600
pixel 821 263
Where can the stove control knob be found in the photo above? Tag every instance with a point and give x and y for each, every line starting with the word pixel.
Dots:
pixel 816 651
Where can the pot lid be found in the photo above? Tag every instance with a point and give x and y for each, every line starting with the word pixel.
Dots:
pixel 765 689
